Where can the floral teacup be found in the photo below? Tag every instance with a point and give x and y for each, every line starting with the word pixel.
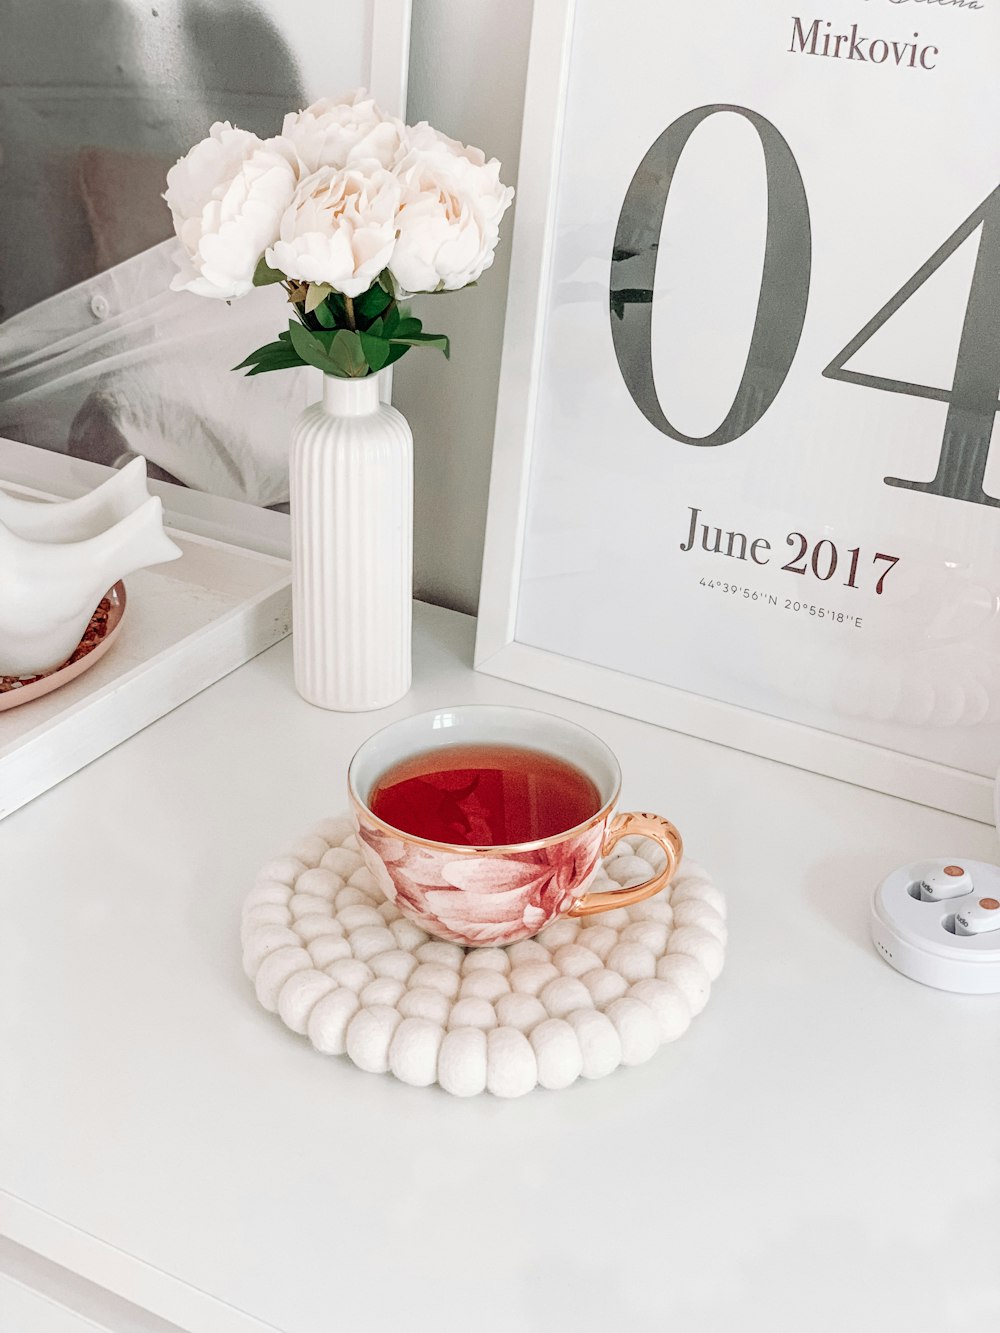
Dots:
pixel 495 895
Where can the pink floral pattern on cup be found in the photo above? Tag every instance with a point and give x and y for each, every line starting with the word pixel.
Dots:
pixel 481 897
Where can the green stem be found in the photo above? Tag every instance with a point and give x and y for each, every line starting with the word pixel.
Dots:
pixel 349 307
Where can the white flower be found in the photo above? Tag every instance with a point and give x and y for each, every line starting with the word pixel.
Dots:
pixel 449 218
pixel 227 196
pixel 342 133
pixel 340 228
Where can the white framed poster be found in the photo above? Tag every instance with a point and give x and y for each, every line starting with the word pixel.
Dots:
pixel 743 482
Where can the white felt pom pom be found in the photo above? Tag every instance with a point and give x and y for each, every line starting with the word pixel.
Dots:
pixel 367 941
pixel 349 896
pixel 688 975
pixel 423 1002
pixel 511 1066
pixel 265 914
pixel 559 933
pixel 327 949
pixel 637 1027
pixel 275 970
pixel 306 904
pixel 653 909
pixel 488 960
pixel 351 842
pixel 383 990
pixel 615 918
pixel 573 960
pixel 472 1013
pixel 520 1011
pixel 352 973
pixel 310 849
pixel 320 883
pixel 363 879
pixel 699 944
pixel 697 912
pixel 604 986
pixel 298 995
pixel 462 1062
pixel 530 978
pixel 598 939
pixel 408 935
pixel 327 1027
pixel 652 935
pixel 524 951
pixel 309 928
pixel 284 869
pixel 341 861
pixel 561 996
pixel 485 985
pixel 334 830
pixel 263 941
pixel 600 1044
pixel 414 1050
pixel 633 961
pixel 395 963
pixel 357 915
pixel 389 912
pixel 629 870
pixel 651 852
pixel 369 1034
pixel 673 1013
pixel 440 951
pixel 267 891
pixel 691 888
pixel 557 1051
pixel 437 977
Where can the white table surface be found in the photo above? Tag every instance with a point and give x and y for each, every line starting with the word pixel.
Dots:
pixel 818 1153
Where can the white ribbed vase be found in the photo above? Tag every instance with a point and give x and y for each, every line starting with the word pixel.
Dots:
pixel 351 483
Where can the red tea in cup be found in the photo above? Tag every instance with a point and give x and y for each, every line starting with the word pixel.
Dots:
pixel 484 795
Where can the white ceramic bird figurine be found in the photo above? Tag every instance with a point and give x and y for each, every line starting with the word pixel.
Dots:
pixel 58 560
pixel 73 520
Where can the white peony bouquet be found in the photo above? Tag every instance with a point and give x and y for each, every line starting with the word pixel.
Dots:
pixel 350 210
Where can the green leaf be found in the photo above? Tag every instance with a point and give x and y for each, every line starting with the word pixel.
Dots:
pixel 386 283
pixel 397 350
pixel 287 362
pixel 310 349
pixel 376 350
pixel 324 315
pixel 264 274
pixel 318 291
pixel 267 349
pixel 372 302
pixel 346 355
pixel 391 322
pixel 407 326
pixel 438 340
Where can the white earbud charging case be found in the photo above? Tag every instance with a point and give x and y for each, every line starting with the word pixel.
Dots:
pixel 918 938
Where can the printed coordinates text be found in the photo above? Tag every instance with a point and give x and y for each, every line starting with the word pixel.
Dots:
pixel 820 559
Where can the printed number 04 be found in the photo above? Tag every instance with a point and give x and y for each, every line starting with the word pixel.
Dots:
pixel 784 289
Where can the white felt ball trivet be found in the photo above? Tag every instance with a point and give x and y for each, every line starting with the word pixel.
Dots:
pixel 338 962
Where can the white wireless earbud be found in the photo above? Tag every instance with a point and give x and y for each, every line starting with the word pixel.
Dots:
pixel 978 917
pixel 941 882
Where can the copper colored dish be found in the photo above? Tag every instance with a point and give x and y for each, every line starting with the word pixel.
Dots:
pixel 98 638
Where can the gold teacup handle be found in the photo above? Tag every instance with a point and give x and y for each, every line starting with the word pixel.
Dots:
pixel 634 824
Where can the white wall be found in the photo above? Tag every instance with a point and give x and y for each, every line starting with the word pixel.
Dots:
pixel 468 60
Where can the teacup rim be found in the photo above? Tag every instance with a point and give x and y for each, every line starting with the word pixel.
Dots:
pixel 482 849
